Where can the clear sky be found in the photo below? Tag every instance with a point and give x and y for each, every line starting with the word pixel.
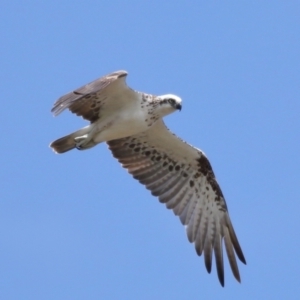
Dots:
pixel 77 226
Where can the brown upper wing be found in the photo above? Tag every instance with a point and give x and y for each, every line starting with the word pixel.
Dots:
pixel 90 99
pixel 182 178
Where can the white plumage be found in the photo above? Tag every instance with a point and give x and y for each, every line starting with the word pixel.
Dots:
pixel 174 171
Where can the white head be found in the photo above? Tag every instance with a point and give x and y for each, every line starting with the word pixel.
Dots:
pixel 167 104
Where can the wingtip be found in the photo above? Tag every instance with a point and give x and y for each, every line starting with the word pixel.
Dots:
pixel 120 73
pixel 243 260
pixel 57 108
pixel 221 277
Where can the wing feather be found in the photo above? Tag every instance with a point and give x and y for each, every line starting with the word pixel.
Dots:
pixel 188 212
pixel 169 189
pixel 182 178
pixel 194 223
pixel 230 254
pixel 201 234
pixel 219 257
pixel 174 202
pixel 91 99
pixel 208 252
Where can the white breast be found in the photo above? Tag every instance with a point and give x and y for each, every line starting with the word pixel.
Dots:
pixel 125 123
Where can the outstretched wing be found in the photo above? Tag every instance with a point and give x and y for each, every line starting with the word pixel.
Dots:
pixel 182 178
pixel 89 100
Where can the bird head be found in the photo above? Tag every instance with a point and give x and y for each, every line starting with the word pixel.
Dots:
pixel 169 103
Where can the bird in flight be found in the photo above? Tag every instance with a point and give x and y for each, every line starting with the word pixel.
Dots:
pixel 179 174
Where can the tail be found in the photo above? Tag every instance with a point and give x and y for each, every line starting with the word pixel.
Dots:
pixel 67 142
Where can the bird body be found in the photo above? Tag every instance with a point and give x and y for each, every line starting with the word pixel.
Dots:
pixel 115 111
pixel 179 174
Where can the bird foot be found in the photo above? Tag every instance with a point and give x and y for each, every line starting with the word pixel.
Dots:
pixel 80 141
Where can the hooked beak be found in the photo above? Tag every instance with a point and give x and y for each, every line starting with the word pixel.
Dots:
pixel 178 106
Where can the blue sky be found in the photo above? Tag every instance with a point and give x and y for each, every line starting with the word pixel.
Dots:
pixel 77 226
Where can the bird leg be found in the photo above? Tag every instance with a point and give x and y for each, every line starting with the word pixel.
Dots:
pixel 84 142
pixel 80 141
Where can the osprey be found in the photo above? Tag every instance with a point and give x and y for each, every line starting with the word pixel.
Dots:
pixel 180 175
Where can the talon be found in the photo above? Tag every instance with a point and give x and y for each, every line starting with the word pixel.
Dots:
pixel 79 141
